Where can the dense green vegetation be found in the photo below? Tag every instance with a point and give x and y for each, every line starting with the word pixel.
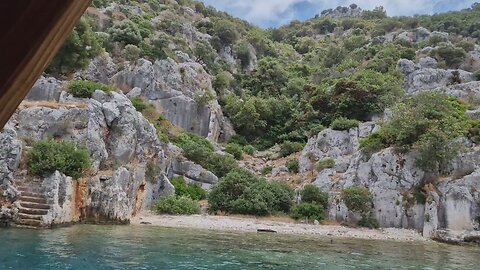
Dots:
pixel 326 163
pixel 85 89
pixel 313 206
pixel 190 190
pixel 320 73
pixel 49 156
pixel 235 150
pixel 185 200
pixel 241 192
pixel 177 205
pixel 427 123
pixel 283 86
pixel 74 54
pixel 360 200
pixel 200 150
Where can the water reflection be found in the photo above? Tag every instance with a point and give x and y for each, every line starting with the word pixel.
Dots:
pixel 130 247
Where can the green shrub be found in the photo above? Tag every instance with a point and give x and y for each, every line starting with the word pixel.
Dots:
pixel 474 131
pixel 249 149
pixel 152 172
pixel 235 150
pixel 292 166
pixel 238 139
pixel 359 199
pixel 427 123
pixel 190 138
pixel 343 123
pixel 315 129
pixel 263 198
pixel 73 56
pixel 126 32
pixel 230 188
pixel 287 148
pixel 226 32
pixel 419 194
pixel 241 192
pixel 85 89
pixel 266 170
pixel 312 194
pixel 132 52
pixel 452 56
pixel 175 205
pixel 327 163
pixel 308 211
pixel 477 75
pixel 46 157
pixel 369 222
pixel 219 164
pixel 376 142
pixel 195 147
pixel 221 82
pixel 140 104
pixel 190 190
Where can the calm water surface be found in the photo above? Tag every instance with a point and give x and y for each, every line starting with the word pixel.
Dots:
pixel 136 247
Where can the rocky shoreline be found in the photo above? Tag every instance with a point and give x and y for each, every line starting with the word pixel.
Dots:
pixel 247 224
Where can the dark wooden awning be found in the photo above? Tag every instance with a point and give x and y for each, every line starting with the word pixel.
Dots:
pixel 31 33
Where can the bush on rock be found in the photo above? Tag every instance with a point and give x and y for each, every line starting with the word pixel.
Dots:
pixel 46 157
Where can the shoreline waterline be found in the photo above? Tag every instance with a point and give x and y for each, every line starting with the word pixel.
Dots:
pixel 251 224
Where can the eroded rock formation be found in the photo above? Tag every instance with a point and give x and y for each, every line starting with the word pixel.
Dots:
pixel 131 167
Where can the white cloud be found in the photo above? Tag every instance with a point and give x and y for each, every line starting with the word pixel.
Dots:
pixel 275 12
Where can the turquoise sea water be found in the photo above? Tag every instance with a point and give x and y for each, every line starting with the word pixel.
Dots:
pixel 145 247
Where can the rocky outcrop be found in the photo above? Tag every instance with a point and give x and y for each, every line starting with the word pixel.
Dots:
pixel 425 77
pixel 100 69
pixel 182 91
pixel 352 11
pixel 10 154
pixel 45 89
pixel 452 202
pixel 131 167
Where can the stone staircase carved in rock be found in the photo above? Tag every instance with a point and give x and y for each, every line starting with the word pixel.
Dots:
pixel 32 205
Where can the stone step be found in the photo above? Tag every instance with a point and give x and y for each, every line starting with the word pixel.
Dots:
pixel 30 211
pixel 35 205
pixel 29 189
pixel 32 194
pixel 31 217
pixel 29 222
pixel 41 200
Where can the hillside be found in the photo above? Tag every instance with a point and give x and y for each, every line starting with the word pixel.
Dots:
pixel 353 101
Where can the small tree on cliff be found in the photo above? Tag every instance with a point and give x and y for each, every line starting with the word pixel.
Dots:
pixel 359 199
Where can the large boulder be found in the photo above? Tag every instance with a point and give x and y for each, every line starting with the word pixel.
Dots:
pixel 45 89
pixel 424 76
pixel 181 91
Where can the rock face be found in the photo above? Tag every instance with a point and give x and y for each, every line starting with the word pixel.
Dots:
pixel 352 11
pixel 10 153
pixel 131 167
pixel 452 202
pixel 182 91
pixel 425 77
pixel 45 89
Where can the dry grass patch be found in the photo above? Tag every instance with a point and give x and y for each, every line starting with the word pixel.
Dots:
pixel 52 104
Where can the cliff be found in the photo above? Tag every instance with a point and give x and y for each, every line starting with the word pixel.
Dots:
pixel 130 169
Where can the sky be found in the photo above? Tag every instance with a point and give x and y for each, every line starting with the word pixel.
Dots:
pixel 274 13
